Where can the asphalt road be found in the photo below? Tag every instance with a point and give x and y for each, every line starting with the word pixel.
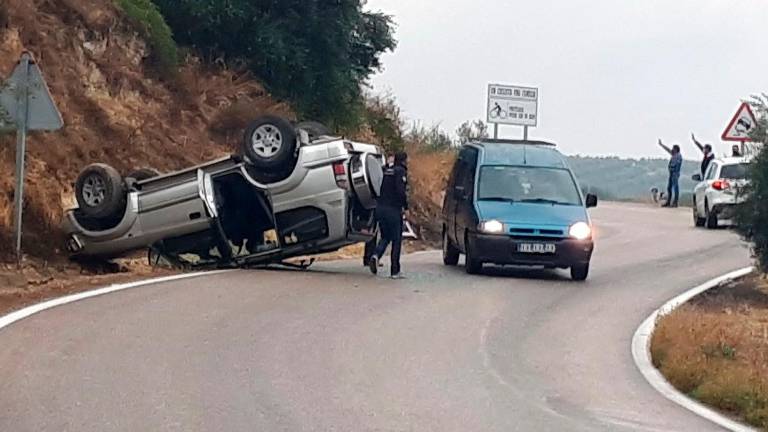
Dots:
pixel 336 349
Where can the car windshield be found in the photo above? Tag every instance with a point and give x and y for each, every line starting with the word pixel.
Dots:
pixel 527 184
pixel 735 171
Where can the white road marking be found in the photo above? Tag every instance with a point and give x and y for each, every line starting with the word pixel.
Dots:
pixel 12 317
pixel 641 343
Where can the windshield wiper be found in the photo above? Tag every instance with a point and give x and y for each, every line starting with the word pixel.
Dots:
pixel 500 199
pixel 545 201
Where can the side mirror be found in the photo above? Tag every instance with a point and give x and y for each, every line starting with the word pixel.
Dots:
pixel 591 200
pixel 696 177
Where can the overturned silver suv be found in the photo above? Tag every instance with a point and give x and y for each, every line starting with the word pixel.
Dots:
pixel 292 190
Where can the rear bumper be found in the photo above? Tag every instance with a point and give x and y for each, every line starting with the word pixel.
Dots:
pixel 499 249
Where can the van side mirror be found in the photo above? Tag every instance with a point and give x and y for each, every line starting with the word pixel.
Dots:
pixel 591 200
pixel 696 177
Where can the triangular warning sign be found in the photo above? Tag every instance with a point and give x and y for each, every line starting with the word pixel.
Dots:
pixel 41 110
pixel 741 125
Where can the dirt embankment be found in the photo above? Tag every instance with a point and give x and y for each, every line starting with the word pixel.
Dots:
pixel 116 109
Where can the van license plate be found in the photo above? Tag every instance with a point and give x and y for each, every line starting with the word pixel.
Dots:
pixel 536 248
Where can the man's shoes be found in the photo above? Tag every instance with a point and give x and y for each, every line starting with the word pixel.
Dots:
pixel 666 205
pixel 674 205
pixel 397 276
pixel 373 265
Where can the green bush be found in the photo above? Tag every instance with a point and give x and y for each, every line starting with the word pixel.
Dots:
pixel 151 25
pixel 316 53
pixel 752 217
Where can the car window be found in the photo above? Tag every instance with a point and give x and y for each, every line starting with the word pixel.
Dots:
pixel 735 171
pixel 471 169
pixel 711 172
pixel 528 184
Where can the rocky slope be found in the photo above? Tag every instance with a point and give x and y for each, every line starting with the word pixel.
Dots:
pixel 115 107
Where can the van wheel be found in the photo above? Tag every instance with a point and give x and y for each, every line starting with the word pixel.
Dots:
pixel 450 253
pixel 472 265
pixel 100 191
pixel 270 145
pixel 579 272
pixel 711 218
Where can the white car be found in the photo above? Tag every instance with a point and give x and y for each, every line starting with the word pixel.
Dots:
pixel 721 189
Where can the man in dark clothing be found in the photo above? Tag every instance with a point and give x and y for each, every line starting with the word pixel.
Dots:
pixel 736 150
pixel 370 245
pixel 390 207
pixel 708 155
pixel 675 166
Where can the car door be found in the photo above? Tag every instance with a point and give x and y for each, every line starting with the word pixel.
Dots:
pixel 703 186
pixel 466 219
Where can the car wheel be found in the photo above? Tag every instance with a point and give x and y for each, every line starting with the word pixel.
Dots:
pixel 366 175
pixel 580 272
pixel 100 191
pixel 314 129
pixel 143 174
pixel 711 218
pixel 697 221
pixel 472 265
pixel 450 253
pixel 270 145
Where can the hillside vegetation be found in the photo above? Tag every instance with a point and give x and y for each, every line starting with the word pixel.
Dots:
pixel 613 178
pixel 115 107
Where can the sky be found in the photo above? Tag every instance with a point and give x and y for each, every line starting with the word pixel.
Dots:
pixel 613 75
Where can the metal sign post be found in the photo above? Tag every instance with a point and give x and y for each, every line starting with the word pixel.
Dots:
pixel 512 105
pixel 25 105
pixel 22 115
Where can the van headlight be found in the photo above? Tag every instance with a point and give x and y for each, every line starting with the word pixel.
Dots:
pixel 580 231
pixel 492 227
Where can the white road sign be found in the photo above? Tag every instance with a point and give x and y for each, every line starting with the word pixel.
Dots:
pixel 741 125
pixel 513 105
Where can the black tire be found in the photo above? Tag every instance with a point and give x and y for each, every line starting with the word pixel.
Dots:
pixel 314 129
pixel 472 265
pixel 710 220
pixel 142 174
pixel 100 191
pixel 270 145
pixel 580 272
pixel 697 221
pixel 450 253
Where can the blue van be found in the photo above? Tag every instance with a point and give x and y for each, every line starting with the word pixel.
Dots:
pixel 516 203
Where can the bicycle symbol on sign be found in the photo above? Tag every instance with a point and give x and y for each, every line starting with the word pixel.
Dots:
pixel 498 112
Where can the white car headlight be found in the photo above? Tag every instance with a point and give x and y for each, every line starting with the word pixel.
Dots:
pixel 580 231
pixel 492 227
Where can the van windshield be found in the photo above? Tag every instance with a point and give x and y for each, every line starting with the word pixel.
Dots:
pixel 528 184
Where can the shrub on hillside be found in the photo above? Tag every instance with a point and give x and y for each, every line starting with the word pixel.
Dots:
pixel 752 217
pixel 147 19
pixel 315 53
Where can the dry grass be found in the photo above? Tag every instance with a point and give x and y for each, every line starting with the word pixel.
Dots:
pixel 428 175
pixel 715 349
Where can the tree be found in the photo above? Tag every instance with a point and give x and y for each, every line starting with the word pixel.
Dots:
pixel 472 130
pixel 752 216
pixel 317 53
pixel 429 138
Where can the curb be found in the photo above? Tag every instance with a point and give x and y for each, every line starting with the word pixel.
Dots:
pixel 28 311
pixel 641 354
